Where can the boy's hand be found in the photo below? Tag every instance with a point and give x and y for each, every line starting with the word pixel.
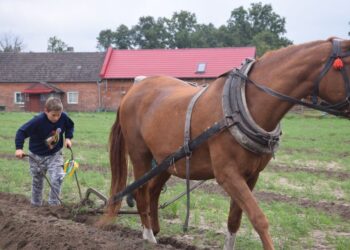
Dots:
pixel 68 143
pixel 19 153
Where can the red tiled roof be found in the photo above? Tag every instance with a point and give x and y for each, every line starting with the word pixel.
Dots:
pixel 41 88
pixel 180 63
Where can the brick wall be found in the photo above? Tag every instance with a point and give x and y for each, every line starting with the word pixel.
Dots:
pixel 112 91
pixel 93 96
pixel 87 96
pixel 7 92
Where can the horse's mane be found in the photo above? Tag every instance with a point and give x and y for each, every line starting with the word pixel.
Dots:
pixel 288 51
pixel 292 49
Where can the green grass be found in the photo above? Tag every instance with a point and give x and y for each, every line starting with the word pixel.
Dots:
pixel 289 224
pixel 14 177
pixel 323 140
pixel 320 143
pixel 302 184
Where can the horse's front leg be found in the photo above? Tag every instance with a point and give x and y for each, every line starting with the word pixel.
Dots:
pixel 234 219
pixel 233 224
pixel 240 192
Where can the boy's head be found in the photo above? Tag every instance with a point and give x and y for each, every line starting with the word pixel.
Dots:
pixel 53 109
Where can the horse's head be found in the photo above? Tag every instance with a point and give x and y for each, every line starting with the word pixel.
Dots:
pixel 333 84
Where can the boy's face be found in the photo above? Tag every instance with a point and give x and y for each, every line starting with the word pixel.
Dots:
pixel 53 116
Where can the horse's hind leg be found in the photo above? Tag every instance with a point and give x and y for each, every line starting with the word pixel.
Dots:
pixel 142 163
pixel 155 189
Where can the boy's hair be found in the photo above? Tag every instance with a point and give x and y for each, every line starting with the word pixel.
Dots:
pixel 53 104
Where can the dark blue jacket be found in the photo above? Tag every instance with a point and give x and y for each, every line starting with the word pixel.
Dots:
pixel 41 132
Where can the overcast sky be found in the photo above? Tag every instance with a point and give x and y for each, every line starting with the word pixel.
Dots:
pixel 78 22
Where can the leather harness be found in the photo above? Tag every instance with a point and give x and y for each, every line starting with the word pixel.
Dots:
pixel 239 121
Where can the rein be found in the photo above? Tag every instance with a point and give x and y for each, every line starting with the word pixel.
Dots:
pixel 291 99
pixel 335 60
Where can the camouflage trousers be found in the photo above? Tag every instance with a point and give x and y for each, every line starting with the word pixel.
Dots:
pixel 53 165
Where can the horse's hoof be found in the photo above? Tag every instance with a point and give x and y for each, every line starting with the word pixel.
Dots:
pixel 130 200
pixel 148 235
pixel 104 221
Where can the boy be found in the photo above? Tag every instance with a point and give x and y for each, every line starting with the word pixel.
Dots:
pixel 46 141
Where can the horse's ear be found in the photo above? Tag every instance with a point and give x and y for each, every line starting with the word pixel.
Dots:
pixel 330 39
pixel 345 43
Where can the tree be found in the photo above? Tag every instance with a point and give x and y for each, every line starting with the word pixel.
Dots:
pixel 150 33
pixel 105 39
pixel 181 27
pixel 10 43
pixel 206 36
pixel 56 45
pixel 265 41
pixel 239 28
pixel 258 26
pixel 122 38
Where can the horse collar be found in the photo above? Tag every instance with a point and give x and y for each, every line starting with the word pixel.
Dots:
pixel 240 123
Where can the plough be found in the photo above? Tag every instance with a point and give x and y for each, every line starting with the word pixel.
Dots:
pixel 70 168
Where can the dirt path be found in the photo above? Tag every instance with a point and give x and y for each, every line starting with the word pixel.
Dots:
pixel 25 227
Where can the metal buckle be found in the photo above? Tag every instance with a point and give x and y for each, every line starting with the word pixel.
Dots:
pixel 187 150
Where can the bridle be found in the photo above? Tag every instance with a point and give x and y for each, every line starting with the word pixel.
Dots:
pixel 335 60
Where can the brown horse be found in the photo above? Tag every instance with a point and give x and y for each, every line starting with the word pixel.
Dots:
pixel 151 118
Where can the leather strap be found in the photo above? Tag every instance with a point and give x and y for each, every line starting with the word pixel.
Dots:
pixel 187 138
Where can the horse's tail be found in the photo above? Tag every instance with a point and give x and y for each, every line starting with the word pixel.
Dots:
pixel 118 163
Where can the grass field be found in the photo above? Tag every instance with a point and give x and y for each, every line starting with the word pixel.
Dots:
pixel 310 173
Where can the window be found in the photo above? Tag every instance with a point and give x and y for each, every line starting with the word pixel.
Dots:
pixel 122 90
pixel 44 97
pixel 72 97
pixel 201 67
pixel 19 98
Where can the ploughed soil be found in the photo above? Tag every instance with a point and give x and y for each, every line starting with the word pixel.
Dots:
pixel 25 227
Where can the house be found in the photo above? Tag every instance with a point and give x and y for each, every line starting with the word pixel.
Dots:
pixel 94 81
pixel 199 65
pixel 28 79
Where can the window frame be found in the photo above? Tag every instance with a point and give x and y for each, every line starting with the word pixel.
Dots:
pixel 69 93
pixel 15 99
pixel 201 68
